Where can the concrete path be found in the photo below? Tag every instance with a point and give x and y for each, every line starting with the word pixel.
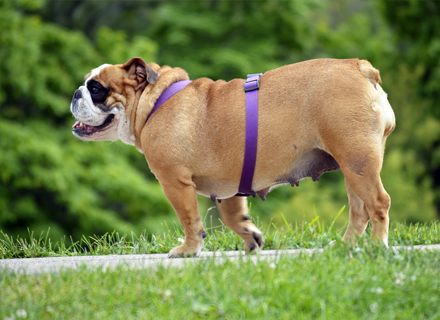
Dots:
pixel 55 265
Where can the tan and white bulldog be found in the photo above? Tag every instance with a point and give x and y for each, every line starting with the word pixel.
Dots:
pixel 315 116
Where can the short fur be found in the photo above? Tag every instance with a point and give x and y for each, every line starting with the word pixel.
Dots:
pixel 314 116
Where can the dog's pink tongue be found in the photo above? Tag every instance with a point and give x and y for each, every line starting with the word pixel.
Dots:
pixel 76 124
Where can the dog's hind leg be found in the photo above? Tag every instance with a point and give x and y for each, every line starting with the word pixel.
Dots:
pixel 234 212
pixel 358 147
pixel 368 187
pixel 358 216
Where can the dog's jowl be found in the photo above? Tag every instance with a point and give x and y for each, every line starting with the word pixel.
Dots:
pixel 309 118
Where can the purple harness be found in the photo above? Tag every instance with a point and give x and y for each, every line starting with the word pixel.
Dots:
pixel 168 93
pixel 251 87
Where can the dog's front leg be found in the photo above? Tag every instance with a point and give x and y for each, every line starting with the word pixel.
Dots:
pixel 181 193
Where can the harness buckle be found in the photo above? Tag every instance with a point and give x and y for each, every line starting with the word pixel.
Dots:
pixel 253 82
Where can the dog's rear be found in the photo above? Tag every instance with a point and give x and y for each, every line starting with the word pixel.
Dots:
pixel 367 198
pixel 372 75
pixel 319 116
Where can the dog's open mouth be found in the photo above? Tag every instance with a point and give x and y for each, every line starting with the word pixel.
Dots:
pixel 82 128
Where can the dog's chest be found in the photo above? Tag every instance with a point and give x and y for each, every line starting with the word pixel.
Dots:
pixel 215 188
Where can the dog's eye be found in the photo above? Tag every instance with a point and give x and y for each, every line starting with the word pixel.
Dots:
pixel 95 90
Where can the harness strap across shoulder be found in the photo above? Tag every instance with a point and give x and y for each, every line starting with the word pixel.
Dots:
pixel 168 93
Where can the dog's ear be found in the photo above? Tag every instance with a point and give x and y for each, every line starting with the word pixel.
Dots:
pixel 139 70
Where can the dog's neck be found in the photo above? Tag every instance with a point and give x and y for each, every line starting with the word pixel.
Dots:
pixel 149 96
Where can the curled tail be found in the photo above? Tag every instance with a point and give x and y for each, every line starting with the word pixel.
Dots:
pixel 372 75
pixel 369 72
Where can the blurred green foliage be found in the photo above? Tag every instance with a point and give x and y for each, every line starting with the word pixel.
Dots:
pixel 48 178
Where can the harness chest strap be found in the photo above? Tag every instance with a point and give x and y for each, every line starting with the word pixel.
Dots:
pixel 251 87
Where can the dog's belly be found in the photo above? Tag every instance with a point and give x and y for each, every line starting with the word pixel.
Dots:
pixel 310 164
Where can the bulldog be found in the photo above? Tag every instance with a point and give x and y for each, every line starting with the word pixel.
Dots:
pixel 313 117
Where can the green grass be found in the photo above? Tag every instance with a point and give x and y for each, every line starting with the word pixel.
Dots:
pixel 287 236
pixel 367 282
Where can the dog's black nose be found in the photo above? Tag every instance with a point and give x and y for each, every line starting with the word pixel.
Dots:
pixel 77 94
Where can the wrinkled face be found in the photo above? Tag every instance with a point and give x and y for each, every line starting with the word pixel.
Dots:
pixel 99 105
pixel 97 120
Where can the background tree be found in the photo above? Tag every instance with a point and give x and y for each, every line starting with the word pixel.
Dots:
pixel 48 178
pixel 416 26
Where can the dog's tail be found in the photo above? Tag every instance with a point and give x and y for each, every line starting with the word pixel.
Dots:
pixel 369 72
pixel 372 75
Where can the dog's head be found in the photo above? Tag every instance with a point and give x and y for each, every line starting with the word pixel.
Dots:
pixel 102 105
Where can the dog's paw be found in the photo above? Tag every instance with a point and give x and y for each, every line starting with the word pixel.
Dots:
pixel 184 252
pixel 253 238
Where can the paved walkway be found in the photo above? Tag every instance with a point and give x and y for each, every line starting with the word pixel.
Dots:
pixel 55 265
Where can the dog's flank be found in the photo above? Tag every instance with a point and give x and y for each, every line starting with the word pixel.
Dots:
pixel 314 117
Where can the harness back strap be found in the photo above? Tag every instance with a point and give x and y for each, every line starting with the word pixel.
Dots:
pixel 251 87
